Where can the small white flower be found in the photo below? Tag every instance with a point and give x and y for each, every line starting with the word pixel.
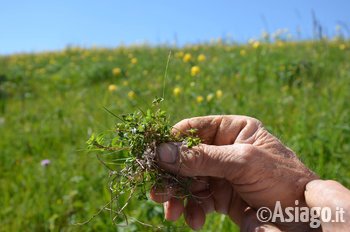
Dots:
pixel 133 130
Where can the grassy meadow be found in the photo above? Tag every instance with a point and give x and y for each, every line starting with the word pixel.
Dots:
pixel 51 102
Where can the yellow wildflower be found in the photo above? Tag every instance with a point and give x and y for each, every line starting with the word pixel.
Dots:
pixel 201 58
pixel 342 46
pixel 112 88
pixel 187 57
pixel 219 93
pixel 195 70
pixel 116 71
pixel 179 54
pixel 86 53
pixel 177 91
pixel 134 60
pixel 256 44
pixel 210 97
pixel 199 99
pixel 131 94
pixel 242 52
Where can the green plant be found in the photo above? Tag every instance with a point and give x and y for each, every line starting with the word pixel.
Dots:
pixel 132 151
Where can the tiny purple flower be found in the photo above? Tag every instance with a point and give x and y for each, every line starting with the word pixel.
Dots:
pixel 45 162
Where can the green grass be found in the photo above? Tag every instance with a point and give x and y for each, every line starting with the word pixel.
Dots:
pixel 50 103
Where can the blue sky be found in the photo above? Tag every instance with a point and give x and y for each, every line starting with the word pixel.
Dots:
pixel 37 25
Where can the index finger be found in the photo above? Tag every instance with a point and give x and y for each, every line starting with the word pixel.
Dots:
pixel 219 129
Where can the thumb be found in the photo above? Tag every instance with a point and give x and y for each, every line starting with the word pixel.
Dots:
pixel 326 193
pixel 201 160
pixel 334 196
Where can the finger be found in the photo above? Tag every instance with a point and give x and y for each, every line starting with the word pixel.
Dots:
pixel 326 193
pixel 219 130
pixel 222 192
pixel 205 200
pixel 194 214
pixel 237 208
pixel 173 209
pixel 321 194
pixel 206 160
pixel 199 184
pixel 161 195
pixel 164 193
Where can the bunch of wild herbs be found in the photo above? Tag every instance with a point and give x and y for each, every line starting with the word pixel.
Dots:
pixel 132 150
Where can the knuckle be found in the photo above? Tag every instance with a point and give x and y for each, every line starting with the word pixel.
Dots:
pixel 181 126
pixel 257 122
pixel 249 153
pixel 247 149
pixel 192 159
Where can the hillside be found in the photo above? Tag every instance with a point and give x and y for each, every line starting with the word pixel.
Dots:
pixel 51 102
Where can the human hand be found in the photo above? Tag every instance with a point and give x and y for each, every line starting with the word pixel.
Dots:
pixel 238 168
pixel 334 196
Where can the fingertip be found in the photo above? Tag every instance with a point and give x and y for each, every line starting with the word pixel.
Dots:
pixel 194 215
pixel 168 153
pixel 314 184
pixel 173 209
pixel 322 193
pixel 160 195
pixel 181 127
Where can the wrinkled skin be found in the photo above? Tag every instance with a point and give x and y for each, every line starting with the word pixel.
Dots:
pixel 331 194
pixel 238 168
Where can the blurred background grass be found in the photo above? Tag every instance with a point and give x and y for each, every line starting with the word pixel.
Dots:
pixel 50 103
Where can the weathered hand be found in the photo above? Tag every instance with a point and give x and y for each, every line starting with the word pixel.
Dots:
pixel 238 168
pixel 333 195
